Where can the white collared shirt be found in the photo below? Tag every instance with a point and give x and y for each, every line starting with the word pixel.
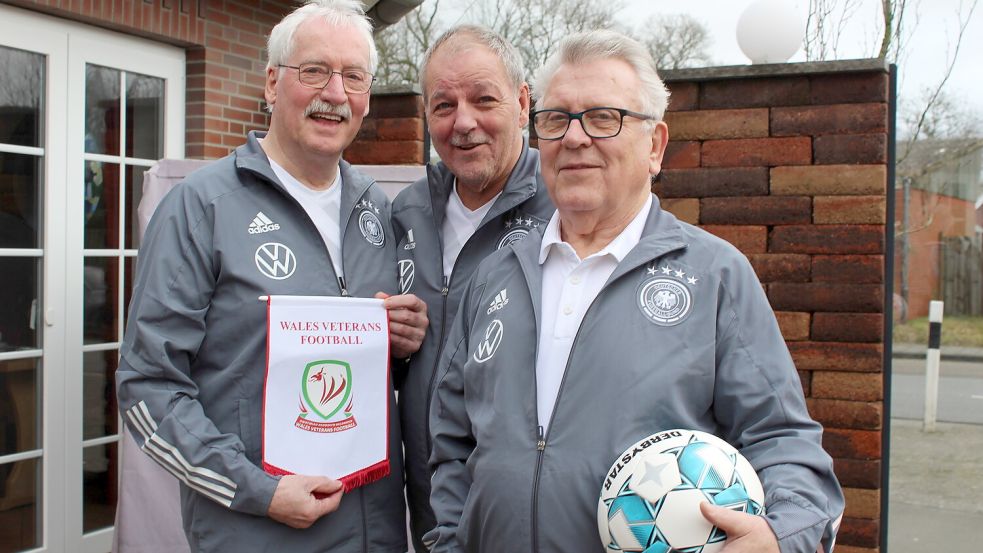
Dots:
pixel 569 287
pixel 459 224
pixel 322 206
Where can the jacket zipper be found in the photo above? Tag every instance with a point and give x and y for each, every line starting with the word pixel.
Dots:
pixel 543 439
pixel 444 292
pixel 440 350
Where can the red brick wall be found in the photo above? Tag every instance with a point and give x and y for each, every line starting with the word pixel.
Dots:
pixel 788 163
pixel 225 42
pixel 392 133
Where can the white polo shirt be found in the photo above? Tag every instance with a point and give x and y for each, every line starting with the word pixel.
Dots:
pixel 570 285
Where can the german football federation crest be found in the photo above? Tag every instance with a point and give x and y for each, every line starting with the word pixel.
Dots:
pixel 663 299
pixel 370 225
pixel 326 397
pixel 517 228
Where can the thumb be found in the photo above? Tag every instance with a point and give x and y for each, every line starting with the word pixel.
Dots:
pixel 732 522
pixel 381 295
pixel 323 485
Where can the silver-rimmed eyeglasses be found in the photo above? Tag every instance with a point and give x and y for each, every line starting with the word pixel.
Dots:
pixel 315 75
pixel 602 122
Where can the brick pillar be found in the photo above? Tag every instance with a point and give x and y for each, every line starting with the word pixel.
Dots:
pixel 788 162
pixel 393 131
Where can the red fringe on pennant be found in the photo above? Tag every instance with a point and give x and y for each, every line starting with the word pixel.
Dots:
pixel 275 470
pixel 366 475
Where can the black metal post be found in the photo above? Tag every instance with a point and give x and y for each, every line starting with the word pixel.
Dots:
pixel 892 113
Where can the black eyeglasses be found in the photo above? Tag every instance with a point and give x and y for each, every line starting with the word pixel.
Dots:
pixel 315 75
pixel 552 124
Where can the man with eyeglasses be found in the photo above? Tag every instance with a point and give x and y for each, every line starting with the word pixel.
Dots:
pixel 284 214
pixel 485 194
pixel 622 322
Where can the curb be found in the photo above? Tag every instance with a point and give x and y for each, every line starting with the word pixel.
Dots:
pixel 910 351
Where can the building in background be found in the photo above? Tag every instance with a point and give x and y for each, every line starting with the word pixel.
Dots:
pixel 937 221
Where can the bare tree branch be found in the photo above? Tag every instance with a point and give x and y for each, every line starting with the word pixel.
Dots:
pixel 937 91
pixel 401 46
pixel 676 41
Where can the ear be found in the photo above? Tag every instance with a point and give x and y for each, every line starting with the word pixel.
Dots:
pixel 368 102
pixel 272 77
pixel 660 138
pixel 524 101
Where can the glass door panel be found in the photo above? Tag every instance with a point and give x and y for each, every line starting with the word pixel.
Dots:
pixel 20 97
pixel 134 193
pixel 22 157
pixel 20 197
pixel 98 373
pixel 124 136
pixel 144 116
pixel 20 505
pixel 20 408
pixel 20 303
pixel 99 483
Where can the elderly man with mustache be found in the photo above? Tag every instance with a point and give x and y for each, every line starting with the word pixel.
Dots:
pixel 485 194
pixel 192 362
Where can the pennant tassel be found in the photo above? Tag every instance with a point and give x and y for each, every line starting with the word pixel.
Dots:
pixel 365 476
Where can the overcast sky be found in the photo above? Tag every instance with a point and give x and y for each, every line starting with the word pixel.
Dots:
pixel 931 44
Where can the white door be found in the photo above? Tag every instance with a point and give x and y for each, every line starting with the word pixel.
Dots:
pixel 83 112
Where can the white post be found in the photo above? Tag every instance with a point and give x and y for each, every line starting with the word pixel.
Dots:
pixel 932 358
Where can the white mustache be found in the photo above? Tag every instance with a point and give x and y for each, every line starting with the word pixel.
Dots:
pixel 473 138
pixel 317 106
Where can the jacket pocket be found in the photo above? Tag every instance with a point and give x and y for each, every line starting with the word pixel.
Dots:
pixel 249 431
pixel 466 536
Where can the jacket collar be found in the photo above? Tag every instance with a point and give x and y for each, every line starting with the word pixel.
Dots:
pixel 251 157
pixel 662 234
pixel 523 183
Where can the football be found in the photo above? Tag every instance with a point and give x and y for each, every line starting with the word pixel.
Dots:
pixel 650 498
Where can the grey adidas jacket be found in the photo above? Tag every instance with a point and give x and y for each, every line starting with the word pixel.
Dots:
pixel 193 360
pixel 715 361
pixel 418 218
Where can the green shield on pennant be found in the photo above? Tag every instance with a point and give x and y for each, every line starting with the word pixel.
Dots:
pixel 326 387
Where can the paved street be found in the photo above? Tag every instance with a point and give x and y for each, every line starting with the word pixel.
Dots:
pixel 960 390
pixel 936 491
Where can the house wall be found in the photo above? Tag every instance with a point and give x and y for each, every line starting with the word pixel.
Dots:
pixel 789 163
pixel 225 42
pixel 930 218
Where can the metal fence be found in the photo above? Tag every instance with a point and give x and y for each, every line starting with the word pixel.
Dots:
pixel 962 275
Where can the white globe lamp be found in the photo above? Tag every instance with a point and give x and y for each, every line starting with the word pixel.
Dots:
pixel 771 31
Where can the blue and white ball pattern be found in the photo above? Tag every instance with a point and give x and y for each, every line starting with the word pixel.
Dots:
pixel 650 500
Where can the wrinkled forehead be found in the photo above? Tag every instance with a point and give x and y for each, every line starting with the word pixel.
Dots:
pixel 318 41
pixel 464 64
pixel 597 82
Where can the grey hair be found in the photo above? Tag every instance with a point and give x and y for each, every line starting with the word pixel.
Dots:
pixel 604 44
pixel 340 13
pixel 470 35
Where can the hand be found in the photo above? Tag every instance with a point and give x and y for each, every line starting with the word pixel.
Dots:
pixel 300 500
pixel 745 533
pixel 407 323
